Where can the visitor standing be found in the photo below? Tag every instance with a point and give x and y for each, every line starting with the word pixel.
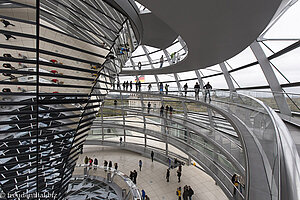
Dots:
pixel 110 164
pixel 149 87
pixel 143 194
pixel 130 85
pixel 161 60
pixel 167 88
pixel 178 192
pixel 185 193
pixel 207 88
pixel 162 110
pixel 185 87
pixel 197 90
pixel 149 107
pixel 139 65
pixel 95 163
pixel 152 155
pixel 135 174
pixel 178 175
pixel 168 175
pixel 161 88
pixel 86 160
pixel 190 192
pixel 140 164
pixel 116 166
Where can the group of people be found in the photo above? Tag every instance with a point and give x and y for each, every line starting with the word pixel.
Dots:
pixel 133 175
pixel 94 162
pixel 186 194
pixel 127 86
pixel 161 88
pixel 207 88
pixel 168 109
pixel 238 182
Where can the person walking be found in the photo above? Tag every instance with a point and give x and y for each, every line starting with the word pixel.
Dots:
pixel 178 175
pixel 139 65
pixel 6 23
pixel 185 87
pixel 207 88
pixel 143 194
pixel 197 90
pixel 167 88
pixel 110 164
pixel 161 60
pixel 168 175
pixel 190 192
pixel 149 87
pixel 161 88
pixel 130 85
pixel 152 155
pixel 140 164
pixel 116 166
pixel 115 103
pixel 121 139
pixel 178 193
pixel 149 107
pixel 162 110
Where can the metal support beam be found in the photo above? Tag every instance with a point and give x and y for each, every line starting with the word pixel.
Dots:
pixel 209 112
pixel 227 77
pixel 151 64
pixel 175 74
pixel 271 78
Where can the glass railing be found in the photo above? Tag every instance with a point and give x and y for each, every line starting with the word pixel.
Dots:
pixel 117 177
pixel 273 139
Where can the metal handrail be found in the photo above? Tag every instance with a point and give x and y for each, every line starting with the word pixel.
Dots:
pixel 133 188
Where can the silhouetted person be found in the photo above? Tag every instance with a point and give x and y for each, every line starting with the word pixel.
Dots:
pixel 139 65
pixel 161 88
pixel 8 36
pixel 197 90
pixel 6 23
pixel 140 164
pixel 116 166
pixel 149 87
pixel 152 155
pixel 185 87
pixel 207 88
pixel 178 175
pixel 161 60
pixel 130 85
pixel 168 175
pixel 162 110
pixel 167 88
pixel 149 107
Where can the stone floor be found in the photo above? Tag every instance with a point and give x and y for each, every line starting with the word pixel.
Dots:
pixel 152 177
